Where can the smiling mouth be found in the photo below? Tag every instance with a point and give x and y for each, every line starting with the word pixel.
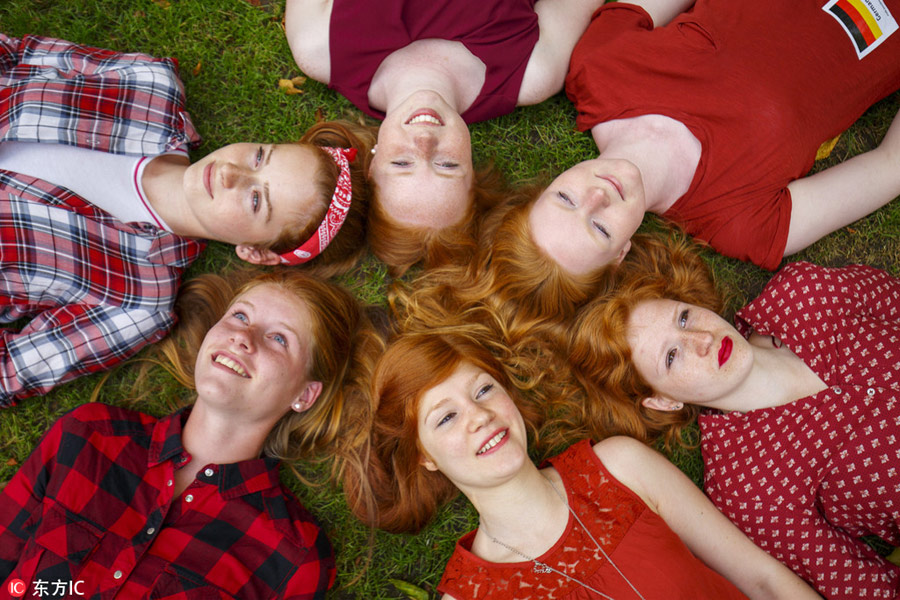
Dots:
pixel 616 184
pixel 231 364
pixel 425 116
pixel 492 442
pixel 725 350
pixel 207 178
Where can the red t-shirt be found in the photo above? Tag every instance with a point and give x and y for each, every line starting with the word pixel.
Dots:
pixel 761 84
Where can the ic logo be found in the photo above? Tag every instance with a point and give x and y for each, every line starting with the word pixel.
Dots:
pixel 16 588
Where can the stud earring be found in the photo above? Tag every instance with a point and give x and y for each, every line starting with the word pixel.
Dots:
pixel 297 406
pixel 679 405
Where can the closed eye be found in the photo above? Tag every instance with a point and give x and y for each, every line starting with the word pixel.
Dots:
pixel 565 198
pixel 400 163
pixel 447 164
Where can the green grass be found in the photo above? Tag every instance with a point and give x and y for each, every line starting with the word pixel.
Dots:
pixel 232 54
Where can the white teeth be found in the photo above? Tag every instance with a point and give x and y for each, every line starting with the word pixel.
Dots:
pixel 224 360
pixel 424 119
pixel 492 442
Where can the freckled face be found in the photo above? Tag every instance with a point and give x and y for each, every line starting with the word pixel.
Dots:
pixel 471 430
pixel 249 193
pixel 423 163
pixel 256 359
pixel 687 353
pixel 586 216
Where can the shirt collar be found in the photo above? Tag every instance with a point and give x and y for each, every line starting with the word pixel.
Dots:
pixel 235 479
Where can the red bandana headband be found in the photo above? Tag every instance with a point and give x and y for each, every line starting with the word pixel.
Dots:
pixel 334 218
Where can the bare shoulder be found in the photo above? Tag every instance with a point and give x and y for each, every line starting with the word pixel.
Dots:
pixel 307 25
pixel 620 451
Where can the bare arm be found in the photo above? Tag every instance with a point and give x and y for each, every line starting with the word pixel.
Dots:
pixel 307 25
pixel 837 196
pixel 705 531
pixel 562 22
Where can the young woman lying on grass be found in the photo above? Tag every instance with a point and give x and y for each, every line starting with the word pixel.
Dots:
pixel 612 520
pixel 428 70
pixel 101 210
pixel 122 503
pixel 799 405
pixel 718 136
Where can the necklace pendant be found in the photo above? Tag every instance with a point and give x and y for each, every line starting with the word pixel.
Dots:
pixel 540 567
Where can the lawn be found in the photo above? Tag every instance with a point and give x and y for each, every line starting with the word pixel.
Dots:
pixel 232 54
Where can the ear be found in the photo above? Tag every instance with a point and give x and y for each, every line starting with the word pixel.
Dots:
pixel 623 252
pixel 256 256
pixel 307 397
pixel 426 462
pixel 661 403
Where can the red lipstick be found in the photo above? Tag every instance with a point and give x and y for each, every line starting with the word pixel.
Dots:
pixel 725 350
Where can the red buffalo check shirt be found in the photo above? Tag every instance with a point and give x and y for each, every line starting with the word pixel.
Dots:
pixel 93 508
pixel 93 296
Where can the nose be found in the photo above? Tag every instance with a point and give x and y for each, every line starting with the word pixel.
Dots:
pixel 596 198
pixel 479 416
pixel 425 143
pixel 232 175
pixel 242 339
pixel 699 341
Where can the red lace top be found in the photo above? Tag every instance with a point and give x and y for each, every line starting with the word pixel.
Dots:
pixel 640 543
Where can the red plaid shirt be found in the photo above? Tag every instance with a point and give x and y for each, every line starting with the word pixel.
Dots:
pixel 94 504
pixel 94 298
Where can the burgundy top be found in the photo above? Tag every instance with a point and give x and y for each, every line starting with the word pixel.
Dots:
pixel 501 33
pixel 640 543
pixel 760 84
pixel 806 479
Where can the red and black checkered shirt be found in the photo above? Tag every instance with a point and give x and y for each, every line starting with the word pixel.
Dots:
pixel 92 511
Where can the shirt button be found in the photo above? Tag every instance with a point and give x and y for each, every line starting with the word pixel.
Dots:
pixel 169 483
pixel 151 530
pixel 208 472
pixel 836 390
pixel 189 498
pixel 870 391
pixel 117 575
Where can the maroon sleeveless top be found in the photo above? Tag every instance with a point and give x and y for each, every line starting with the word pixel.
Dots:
pixel 640 543
pixel 501 33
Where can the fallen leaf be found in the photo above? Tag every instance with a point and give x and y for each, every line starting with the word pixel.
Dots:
pixel 162 3
pixel 826 147
pixel 851 230
pixel 320 116
pixel 197 68
pixel 298 80
pixel 12 462
pixel 253 2
pixel 412 591
pixel 288 86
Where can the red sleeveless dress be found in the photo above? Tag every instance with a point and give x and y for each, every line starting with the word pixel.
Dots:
pixel 640 543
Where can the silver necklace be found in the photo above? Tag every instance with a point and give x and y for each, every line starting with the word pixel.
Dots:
pixel 541 567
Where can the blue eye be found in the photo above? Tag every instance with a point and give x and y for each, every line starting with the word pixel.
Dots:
pixel 254 201
pixel 683 317
pixel 259 156
pixel 239 316
pixel 483 390
pixel 446 419
pixel 601 229
pixel 280 339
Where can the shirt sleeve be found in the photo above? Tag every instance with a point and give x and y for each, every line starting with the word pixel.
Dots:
pixel 63 343
pixel 22 497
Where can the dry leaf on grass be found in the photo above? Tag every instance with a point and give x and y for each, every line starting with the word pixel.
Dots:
pixel 290 86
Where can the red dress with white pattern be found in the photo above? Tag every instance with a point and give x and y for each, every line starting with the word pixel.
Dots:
pixel 806 479
pixel 640 543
